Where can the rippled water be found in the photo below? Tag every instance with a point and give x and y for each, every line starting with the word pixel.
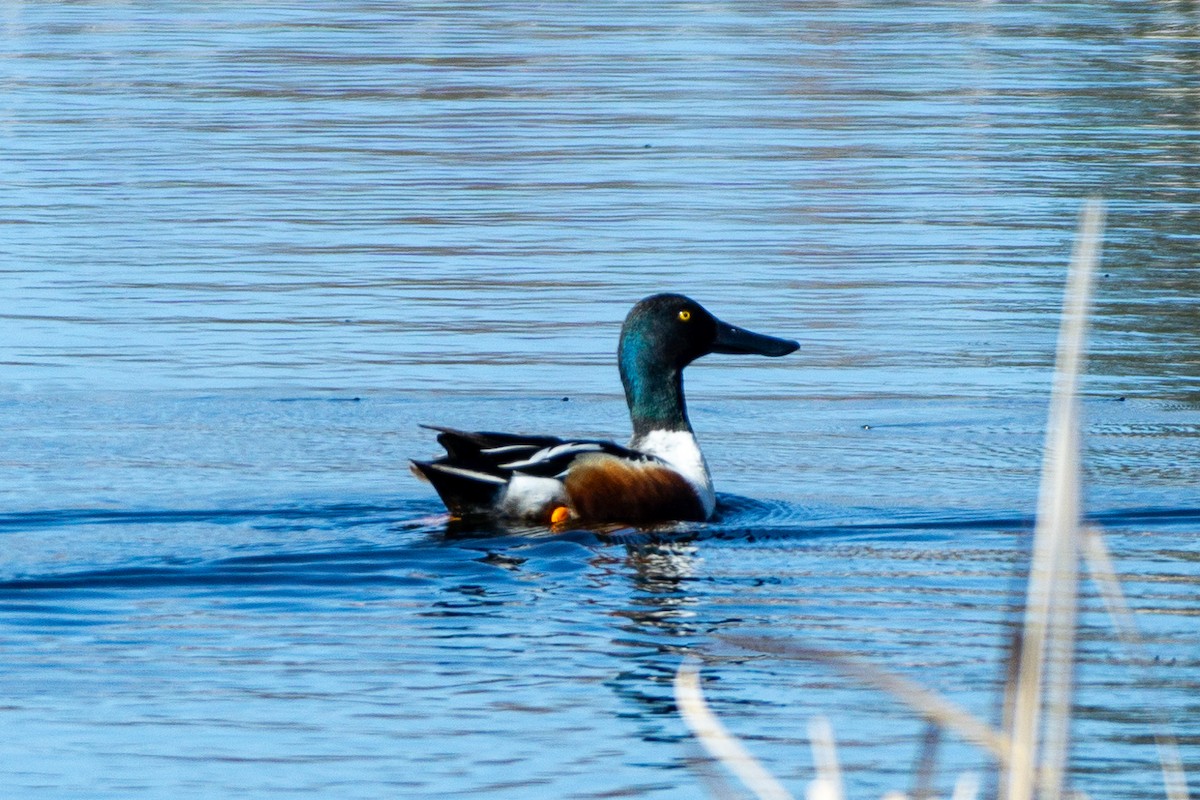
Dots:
pixel 247 249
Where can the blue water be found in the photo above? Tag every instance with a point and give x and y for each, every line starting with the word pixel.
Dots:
pixel 248 249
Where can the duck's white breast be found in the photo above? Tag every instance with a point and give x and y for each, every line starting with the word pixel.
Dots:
pixel 681 450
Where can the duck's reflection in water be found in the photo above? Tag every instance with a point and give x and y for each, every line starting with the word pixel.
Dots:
pixel 661 574
pixel 658 627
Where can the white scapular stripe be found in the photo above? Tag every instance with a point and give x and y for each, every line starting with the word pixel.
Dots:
pixel 551 453
pixel 469 474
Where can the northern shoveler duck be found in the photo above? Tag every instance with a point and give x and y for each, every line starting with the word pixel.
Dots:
pixel 660 477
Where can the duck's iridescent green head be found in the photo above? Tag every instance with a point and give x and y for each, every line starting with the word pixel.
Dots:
pixel 662 335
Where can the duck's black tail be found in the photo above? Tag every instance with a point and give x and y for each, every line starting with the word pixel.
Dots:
pixel 471 478
pixel 472 475
pixel 465 492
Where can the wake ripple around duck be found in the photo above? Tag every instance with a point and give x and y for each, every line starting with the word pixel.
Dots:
pixel 352 545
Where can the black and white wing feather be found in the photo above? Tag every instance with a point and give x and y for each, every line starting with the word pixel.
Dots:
pixel 479 466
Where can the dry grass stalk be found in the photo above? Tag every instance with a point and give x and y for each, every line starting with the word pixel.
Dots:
pixel 719 742
pixel 929 704
pixel 1100 567
pixel 828 783
pixel 926 766
pixel 1040 686
pixel 1045 673
pixel 966 787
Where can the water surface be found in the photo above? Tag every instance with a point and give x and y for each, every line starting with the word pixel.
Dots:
pixel 248 249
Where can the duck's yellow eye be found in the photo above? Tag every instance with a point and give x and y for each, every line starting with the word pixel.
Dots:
pixel 685 315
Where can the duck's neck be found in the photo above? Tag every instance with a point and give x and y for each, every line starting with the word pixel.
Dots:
pixel 654 393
